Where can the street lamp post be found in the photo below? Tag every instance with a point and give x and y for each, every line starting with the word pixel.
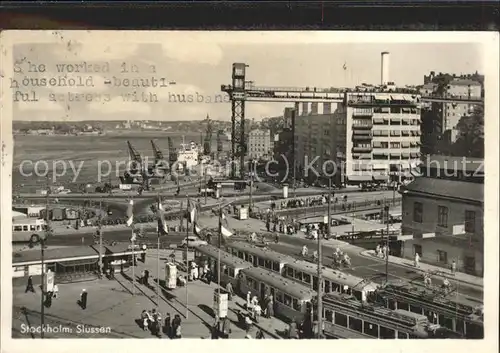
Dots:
pixel 386 209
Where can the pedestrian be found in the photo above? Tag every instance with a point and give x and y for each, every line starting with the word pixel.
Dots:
pixel 226 327
pixel 83 299
pixel 176 323
pixel 146 277
pixel 293 332
pixel 144 319
pixel 453 267
pixel 55 291
pixel 143 276
pixel 260 335
pixel 249 298
pixel 201 272
pixel 229 289
pixel 257 311
pixel 168 326
pixel 248 323
pixel 270 307
pixel 29 286
pixel 417 259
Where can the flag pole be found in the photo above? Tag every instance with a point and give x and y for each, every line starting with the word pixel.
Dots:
pixel 188 215
pixel 160 223
pixel 133 249
pixel 218 250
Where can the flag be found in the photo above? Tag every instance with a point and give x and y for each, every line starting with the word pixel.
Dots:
pixel 225 232
pixel 197 230
pixel 130 213
pixel 192 212
pixel 162 227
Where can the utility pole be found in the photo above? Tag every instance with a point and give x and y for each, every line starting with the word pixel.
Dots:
pixel 42 259
pixel 187 252
pixel 320 262
pixel 218 250
pixel 386 209
pixel 205 178
pixel 251 187
pixel 160 224
pixel 99 228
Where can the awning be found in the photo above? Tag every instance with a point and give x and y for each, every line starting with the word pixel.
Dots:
pixel 359 178
pixel 380 177
pixel 78 262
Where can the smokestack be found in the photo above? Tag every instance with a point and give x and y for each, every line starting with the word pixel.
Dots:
pixel 384 75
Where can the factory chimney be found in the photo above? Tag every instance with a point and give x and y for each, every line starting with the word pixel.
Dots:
pixel 384 68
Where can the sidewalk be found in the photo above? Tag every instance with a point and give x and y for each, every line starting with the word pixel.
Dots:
pixel 423 267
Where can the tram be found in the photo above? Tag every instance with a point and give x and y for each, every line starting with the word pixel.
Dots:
pixel 258 256
pixel 230 265
pixel 301 271
pixel 457 314
pixel 346 317
pixel 333 280
pixel 292 301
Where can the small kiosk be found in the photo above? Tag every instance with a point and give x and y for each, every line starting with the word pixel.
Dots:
pixel 285 191
pixel 170 275
pixel 241 212
pixel 220 303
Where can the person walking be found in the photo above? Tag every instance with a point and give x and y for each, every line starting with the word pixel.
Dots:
pixel 168 326
pixel 226 327
pixel 83 299
pixel 230 291
pixel 453 267
pixel 29 286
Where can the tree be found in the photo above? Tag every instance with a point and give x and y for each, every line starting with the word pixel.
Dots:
pixel 470 141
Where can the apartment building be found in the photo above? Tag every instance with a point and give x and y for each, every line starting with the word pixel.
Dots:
pixel 260 144
pixel 443 213
pixel 382 136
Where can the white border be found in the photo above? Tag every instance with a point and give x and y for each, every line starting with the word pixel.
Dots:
pixel 490 51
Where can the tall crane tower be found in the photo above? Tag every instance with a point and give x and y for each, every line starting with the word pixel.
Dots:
pixel 172 153
pixel 207 145
pixel 137 167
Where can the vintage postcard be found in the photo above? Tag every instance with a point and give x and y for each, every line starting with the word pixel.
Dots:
pixel 249 185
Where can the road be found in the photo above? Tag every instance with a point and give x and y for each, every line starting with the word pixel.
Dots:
pixel 361 266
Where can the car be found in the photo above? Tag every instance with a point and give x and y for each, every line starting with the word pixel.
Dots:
pixel 193 241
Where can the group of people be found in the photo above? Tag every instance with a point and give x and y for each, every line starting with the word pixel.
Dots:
pixel 53 293
pixel 152 320
pixel 382 250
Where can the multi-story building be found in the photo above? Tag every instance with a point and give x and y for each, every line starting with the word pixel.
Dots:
pixel 443 213
pixel 260 144
pixel 382 136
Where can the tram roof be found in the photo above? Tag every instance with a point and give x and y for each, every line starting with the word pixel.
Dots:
pixel 225 257
pixel 261 252
pixel 332 275
pixel 280 283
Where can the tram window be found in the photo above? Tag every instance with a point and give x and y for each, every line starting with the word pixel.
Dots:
pixel 357 294
pixel 279 297
pixel 460 326
pixel 414 337
pixel 415 309
pixel 261 262
pixel 250 258
pixel 226 270
pixel 268 264
pixel 355 324
pixel 306 278
pixel 38 227
pixel 298 275
pixel 402 335
pixel 335 287
pixel 387 332
pixel 341 319
pixel 403 306
pixel 296 304
pixel 446 322
pixel 392 304
pixel 232 273
pixel 329 315
pixel 25 228
pixel 371 329
pixel 276 266
pixel 250 282
pixel 32 228
pixel 240 254
pixel 327 287
pixel 18 228
pixel 287 300
pixel 289 272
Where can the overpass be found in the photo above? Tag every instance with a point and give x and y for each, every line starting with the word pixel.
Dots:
pixel 446 98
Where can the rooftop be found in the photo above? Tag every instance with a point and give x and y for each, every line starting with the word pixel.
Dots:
pixel 54 254
pixel 466 164
pixel 437 188
pixel 464 82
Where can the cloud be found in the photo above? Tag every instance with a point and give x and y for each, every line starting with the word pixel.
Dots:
pixel 117 105
pixel 191 48
pixel 95 50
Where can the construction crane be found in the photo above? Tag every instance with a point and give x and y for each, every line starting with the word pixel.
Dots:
pixel 160 166
pixel 207 145
pixel 172 153
pixel 136 168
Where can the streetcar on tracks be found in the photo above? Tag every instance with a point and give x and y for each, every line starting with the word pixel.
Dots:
pixel 230 265
pixel 28 230
pixel 292 301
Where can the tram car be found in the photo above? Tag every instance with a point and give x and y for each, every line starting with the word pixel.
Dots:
pixel 456 313
pixel 259 256
pixel 333 280
pixel 301 271
pixel 230 265
pixel 346 317
pixel 292 301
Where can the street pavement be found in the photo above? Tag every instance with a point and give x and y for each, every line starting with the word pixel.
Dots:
pixel 113 311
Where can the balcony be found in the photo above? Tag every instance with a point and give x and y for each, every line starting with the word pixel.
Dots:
pixel 362 112
pixel 362 126
pixel 362 149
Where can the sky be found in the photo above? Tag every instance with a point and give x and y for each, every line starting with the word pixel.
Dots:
pixel 200 62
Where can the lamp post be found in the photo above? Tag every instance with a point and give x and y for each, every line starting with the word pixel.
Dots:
pixel 386 210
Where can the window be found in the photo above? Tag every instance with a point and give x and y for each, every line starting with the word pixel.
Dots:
pixel 261 262
pixel 340 319
pixel 250 282
pixel 442 257
pixel 287 300
pixel 417 212
pixel 298 275
pixel 470 221
pixel 329 315
pixel 231 273
pixel 442 216
pixel 18 228
pixel 327 287
pixel 289 272
pixel 268 264
pixel 279 297
pixel 276 266
pixel 25 228
pixel 296 305
pixel 417 249
pixel 32 228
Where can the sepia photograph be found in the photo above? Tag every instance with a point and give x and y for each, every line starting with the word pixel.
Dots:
pixel 232 185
